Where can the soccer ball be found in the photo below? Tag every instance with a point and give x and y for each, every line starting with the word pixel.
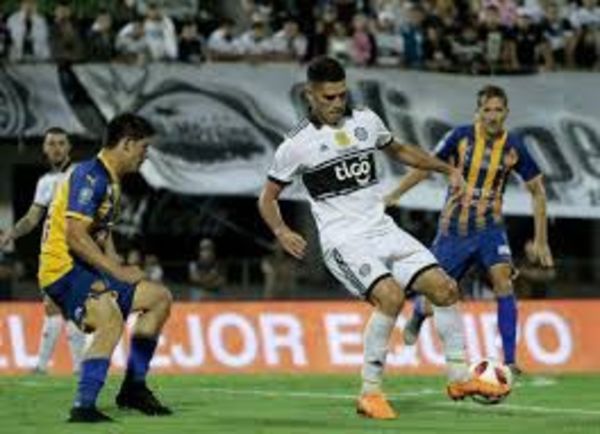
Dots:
pixel 493 372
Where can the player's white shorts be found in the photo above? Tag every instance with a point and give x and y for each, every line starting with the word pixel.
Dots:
pixel 360 262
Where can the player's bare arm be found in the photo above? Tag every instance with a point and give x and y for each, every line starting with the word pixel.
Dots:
pixel 419 159
pixel 540 241
pixel 268 205
pixel 408 181
pixel 83 245
pixel 26 224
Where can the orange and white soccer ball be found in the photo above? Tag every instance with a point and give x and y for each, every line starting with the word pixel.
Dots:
pixel 494 372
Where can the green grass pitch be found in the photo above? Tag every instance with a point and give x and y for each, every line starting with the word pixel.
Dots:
pixel 306 404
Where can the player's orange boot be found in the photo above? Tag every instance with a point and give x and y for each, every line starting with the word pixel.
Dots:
pixel 458 390
pixel 375 406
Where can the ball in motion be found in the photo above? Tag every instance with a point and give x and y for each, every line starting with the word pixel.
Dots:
pixel 493 372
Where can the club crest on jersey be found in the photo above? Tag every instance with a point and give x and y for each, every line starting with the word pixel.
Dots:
pixel 364 270
pixel 361 134
pixel 342 138
pixel 323 147
pixel 85 196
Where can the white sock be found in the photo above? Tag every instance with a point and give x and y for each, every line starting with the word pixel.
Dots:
pixel 76 339
pixel 449 327
pixel 376 339
pixel 50 333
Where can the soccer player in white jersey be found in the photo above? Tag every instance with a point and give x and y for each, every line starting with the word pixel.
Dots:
pixel 56 148
pixel 333 153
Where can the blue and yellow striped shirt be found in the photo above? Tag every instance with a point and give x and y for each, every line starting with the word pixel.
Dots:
pixel 91 192
pixel 485 165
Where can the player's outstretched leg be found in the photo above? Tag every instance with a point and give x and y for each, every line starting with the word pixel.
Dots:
pixel 154 301
pixel 421 311
pixel 104 318
pixel 388 298
pixel 443 293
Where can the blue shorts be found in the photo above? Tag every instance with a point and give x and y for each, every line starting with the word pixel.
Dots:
pixel 456 254
pixel 71 291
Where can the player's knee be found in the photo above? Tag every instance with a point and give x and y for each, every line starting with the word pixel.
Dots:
pixel 104 317
pixel 446 292
pixel 503 289
pixel 166 299
pixel 389 297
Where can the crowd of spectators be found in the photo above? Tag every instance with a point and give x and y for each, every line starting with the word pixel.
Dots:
pixel 471 36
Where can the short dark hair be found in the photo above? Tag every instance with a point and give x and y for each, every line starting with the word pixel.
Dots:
pixel 55 130
pixel 491 91
pixel 325 69
pixel 126 125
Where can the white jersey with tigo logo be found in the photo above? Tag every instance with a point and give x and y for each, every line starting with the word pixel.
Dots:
pixel 361 244
pixel 337 166
pixel 46 186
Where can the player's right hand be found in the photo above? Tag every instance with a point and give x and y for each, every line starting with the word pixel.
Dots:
pixel 131 274
pixel 292 242
pixel 391 200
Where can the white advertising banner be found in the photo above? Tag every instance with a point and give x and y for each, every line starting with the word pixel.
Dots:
pixel 219 124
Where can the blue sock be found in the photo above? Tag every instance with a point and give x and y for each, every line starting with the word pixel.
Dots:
pixel 91 379
pixel 141 352
pixel 419 308
pixel 507 324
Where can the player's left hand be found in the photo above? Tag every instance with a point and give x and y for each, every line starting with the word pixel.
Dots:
pixel 457 181
pixel 543 254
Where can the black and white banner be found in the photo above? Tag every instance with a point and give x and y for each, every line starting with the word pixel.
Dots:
pixel 32 100
pixel 219 124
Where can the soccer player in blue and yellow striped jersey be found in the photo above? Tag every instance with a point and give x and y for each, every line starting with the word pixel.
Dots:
pixel 471 229
pixel 80 271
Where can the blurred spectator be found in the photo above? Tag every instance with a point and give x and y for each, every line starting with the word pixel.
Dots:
pixel 191 44
pixel 221 42
pixel 559 35
pixel 4 39
pixel 256 44
pixel 100 41
pixel 289 43
pixel 123 12
pixel 363 50
pixel 507 10
pixel 131 43
pixel 586 21
pixel 437 50
pixel 160 34
pixel 528 43
pixel 152 268
pixel 65 41
pixel 532 279
pixel 319 41
pixel 467 50
pixel 496 39
pixel 413 35
pixel 390 44
pixel 29 34
pixel 204 273
pixel 393 10
pixel 279 274
pixel 339 43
